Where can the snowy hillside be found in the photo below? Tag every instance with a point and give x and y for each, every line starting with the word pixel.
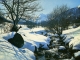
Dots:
pixel 73 37
pixel 10 52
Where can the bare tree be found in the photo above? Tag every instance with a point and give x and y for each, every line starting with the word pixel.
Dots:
pixel 58 19
pixel 16 9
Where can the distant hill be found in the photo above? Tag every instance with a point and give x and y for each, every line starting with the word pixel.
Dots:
pixel 74 14
pixel 42 17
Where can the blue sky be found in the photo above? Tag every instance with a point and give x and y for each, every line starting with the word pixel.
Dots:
pixel 49 5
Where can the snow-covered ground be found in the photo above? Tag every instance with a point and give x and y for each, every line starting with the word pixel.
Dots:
pixel 10 52
pixel 32 37
pixel 73 37
pixel 72 32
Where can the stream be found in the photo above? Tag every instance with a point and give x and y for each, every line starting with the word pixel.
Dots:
pixel 57 51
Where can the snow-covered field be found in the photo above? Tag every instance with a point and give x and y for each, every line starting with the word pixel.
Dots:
pixel 10 52
pixel 32 38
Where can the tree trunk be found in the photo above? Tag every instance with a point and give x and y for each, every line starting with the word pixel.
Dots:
pixel 15 27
